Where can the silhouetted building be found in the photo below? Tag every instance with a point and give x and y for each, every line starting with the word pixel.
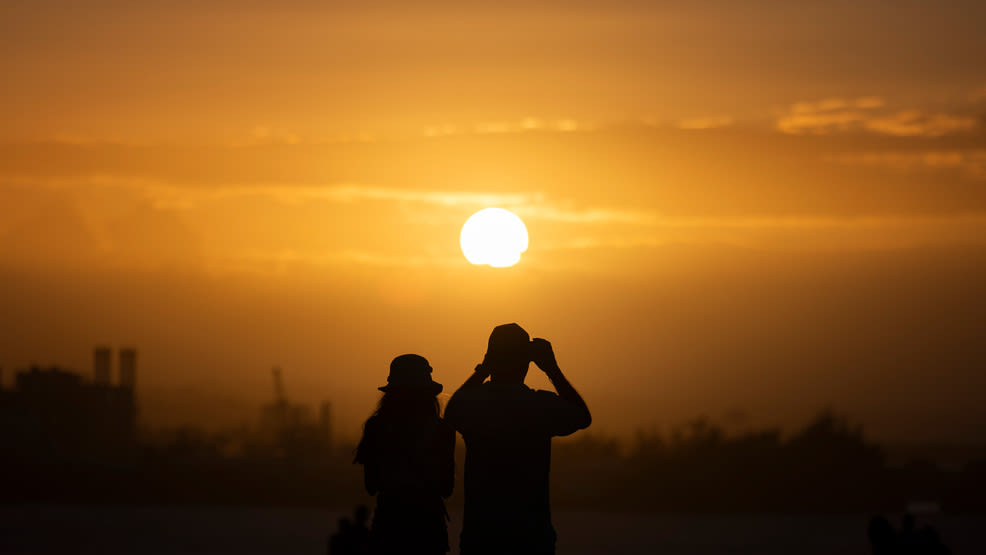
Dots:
pixel 292 427
pixel 128 368
pixel 325 420
pixel 54 414
pixel 279 417
pixel 102 358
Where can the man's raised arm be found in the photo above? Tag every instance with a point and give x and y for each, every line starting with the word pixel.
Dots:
pixel 478 376
pixel 543 355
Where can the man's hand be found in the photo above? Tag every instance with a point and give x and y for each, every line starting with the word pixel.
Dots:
pixel 543 355
pixel 483 369
pixel 478 376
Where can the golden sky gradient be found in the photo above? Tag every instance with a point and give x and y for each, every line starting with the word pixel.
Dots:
pixel 750 210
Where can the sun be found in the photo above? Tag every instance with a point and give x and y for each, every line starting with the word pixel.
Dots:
pixel 493 236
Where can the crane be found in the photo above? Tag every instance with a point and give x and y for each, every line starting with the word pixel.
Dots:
pixel 280 400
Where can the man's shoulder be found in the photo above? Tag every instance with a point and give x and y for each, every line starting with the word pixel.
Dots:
pixel 544 398
pixel 489 390
pixel 514 391
pixel 544 394
pixel 473 402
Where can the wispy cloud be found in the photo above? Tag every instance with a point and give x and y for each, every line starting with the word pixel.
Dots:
pixel 833 104
pixel 280 259
pixel 711 122
pixel 794 233
pixel 265 134
pixel 835 115
pixel 827 115
pixel 353 193
pixel 973 162
pixel 868 102
pixel 913 123
pixel 167 216
pixel 495 127
pixel 568 214
pixel 535 205
pixel 184 196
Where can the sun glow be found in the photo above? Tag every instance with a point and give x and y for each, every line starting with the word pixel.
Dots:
pixel 493 236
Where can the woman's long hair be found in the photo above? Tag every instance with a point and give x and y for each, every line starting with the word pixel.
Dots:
pixel 404 404
pixel 401 406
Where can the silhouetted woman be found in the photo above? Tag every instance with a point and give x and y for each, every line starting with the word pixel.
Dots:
pixel 408 457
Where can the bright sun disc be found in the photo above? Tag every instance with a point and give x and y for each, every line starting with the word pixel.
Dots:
pixel 493 236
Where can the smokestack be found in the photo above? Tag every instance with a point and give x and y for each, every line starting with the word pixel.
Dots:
pixel 101 361
pixel 325 421
pixel 128 368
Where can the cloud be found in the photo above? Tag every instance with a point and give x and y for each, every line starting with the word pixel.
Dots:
pixel 261 260
pixel 913 123
pixel 826 116
pixel 266 135
pixel 534 205
pixel 836 115
pixel 826 105
pixel 569 125
pixel 186 196
pixel 564 214
pixel 868 102
pixel 794 233
pixel 353 193
pixel 712 122
pixel 211 228
pixel 499 127
pixel 537 206
pixel 442 130
pixel 529 124
pixel 167 196
pixel 800 123
pixel 972 162
pixel 183 197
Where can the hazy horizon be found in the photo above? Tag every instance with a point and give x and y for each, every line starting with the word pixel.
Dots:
pixel 700 361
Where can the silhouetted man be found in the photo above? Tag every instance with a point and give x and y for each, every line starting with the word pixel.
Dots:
pixel 507 428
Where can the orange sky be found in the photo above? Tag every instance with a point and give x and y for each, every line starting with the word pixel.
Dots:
pixel 746 210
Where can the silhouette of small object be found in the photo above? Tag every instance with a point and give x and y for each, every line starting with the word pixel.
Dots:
pixel 352 537
pixel 929 543
pixel 910 540
pixel 883 537
pixel 908 537
pixel 361 530
pixel 408 457
pixel 341 542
